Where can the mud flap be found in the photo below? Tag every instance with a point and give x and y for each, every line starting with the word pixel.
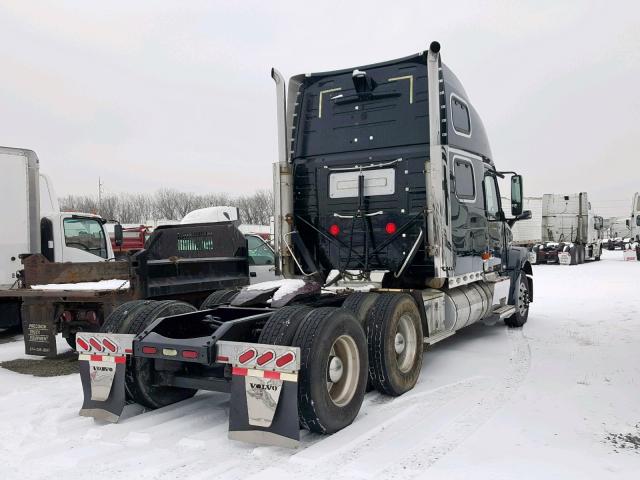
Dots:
pixel 264 411
pixel 39 328
pixel 103 388
pixel 564 258
pixel 102 372
pixel 264 392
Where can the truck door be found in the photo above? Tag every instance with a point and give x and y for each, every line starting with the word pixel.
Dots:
pixel 83 240
pixel 261 260
pixel 496 241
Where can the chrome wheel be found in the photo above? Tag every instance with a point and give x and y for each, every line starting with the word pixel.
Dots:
pixel 406 344
pixel 343 370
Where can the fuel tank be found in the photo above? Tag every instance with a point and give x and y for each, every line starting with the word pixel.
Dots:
pixel 467 304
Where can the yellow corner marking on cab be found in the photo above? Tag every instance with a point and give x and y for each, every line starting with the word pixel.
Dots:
pixel 320 99
pixel 407 77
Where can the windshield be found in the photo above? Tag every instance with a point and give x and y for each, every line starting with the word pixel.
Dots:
pixel 85 234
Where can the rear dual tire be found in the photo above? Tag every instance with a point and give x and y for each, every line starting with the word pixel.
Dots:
pixel 395 339
pixel 333 362
pixel 132 318
pixel 333 369
pixel 361 303
pixel 219 297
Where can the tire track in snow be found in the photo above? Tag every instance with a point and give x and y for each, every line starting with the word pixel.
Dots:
pixel 465 424
pixel 412 432
pixel 189 439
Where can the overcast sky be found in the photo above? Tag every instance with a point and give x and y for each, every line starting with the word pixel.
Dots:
pixel 178 94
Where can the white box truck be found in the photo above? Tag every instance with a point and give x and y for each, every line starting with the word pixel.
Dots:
pixel 33 224
pixel 570 230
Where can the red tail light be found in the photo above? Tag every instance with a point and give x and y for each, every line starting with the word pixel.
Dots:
pixel 334 230
pixel 189 354
pixel 390 228
pixel 82 344
pixel 265 358
pixel 94 343
pixel 246 356
pixel 149 350
pixel 109 345
pixel 285 359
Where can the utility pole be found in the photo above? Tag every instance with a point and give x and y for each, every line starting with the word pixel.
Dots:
pixel 99 195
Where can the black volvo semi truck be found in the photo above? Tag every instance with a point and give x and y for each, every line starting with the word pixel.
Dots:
pixel 390 235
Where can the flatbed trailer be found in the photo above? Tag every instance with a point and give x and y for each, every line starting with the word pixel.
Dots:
pixel 391 236
pixel 181 262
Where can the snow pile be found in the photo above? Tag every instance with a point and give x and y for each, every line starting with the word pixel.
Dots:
pixel 285 287
pixel 557 399
pixel 86 286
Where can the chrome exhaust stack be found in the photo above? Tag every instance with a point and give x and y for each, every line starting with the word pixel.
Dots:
pixel 282 183
pixel 437 229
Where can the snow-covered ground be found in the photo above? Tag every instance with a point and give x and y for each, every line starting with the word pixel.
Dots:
pixel 542 402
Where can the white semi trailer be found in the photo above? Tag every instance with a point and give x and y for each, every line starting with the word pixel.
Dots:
pixel 32 223
pixel 570 230
pixel 527 233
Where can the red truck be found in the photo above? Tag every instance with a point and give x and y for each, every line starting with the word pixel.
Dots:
pixel 133 239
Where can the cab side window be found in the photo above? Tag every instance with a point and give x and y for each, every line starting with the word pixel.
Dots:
pixel 260 253
pixel 460 116
pixel 464 180
pixel 491 198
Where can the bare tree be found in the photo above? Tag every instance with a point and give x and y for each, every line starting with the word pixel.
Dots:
pixel 170 204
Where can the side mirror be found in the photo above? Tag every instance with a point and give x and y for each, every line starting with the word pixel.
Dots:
pixel 516 195
pixel 637 220
pixel 525 215
pixel 117 233
pixel 627 222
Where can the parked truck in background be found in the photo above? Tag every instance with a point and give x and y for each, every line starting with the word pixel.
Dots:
pixel 261 254
pixel 199 263
pixel 634 223
pixel 33 224
pixel 528 233
pixel 133 239
pixel 570 230
pixel 617 234
pixel 390 231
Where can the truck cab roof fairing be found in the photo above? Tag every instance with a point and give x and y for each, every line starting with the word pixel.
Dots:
pixel 326 104
pixel 332 116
